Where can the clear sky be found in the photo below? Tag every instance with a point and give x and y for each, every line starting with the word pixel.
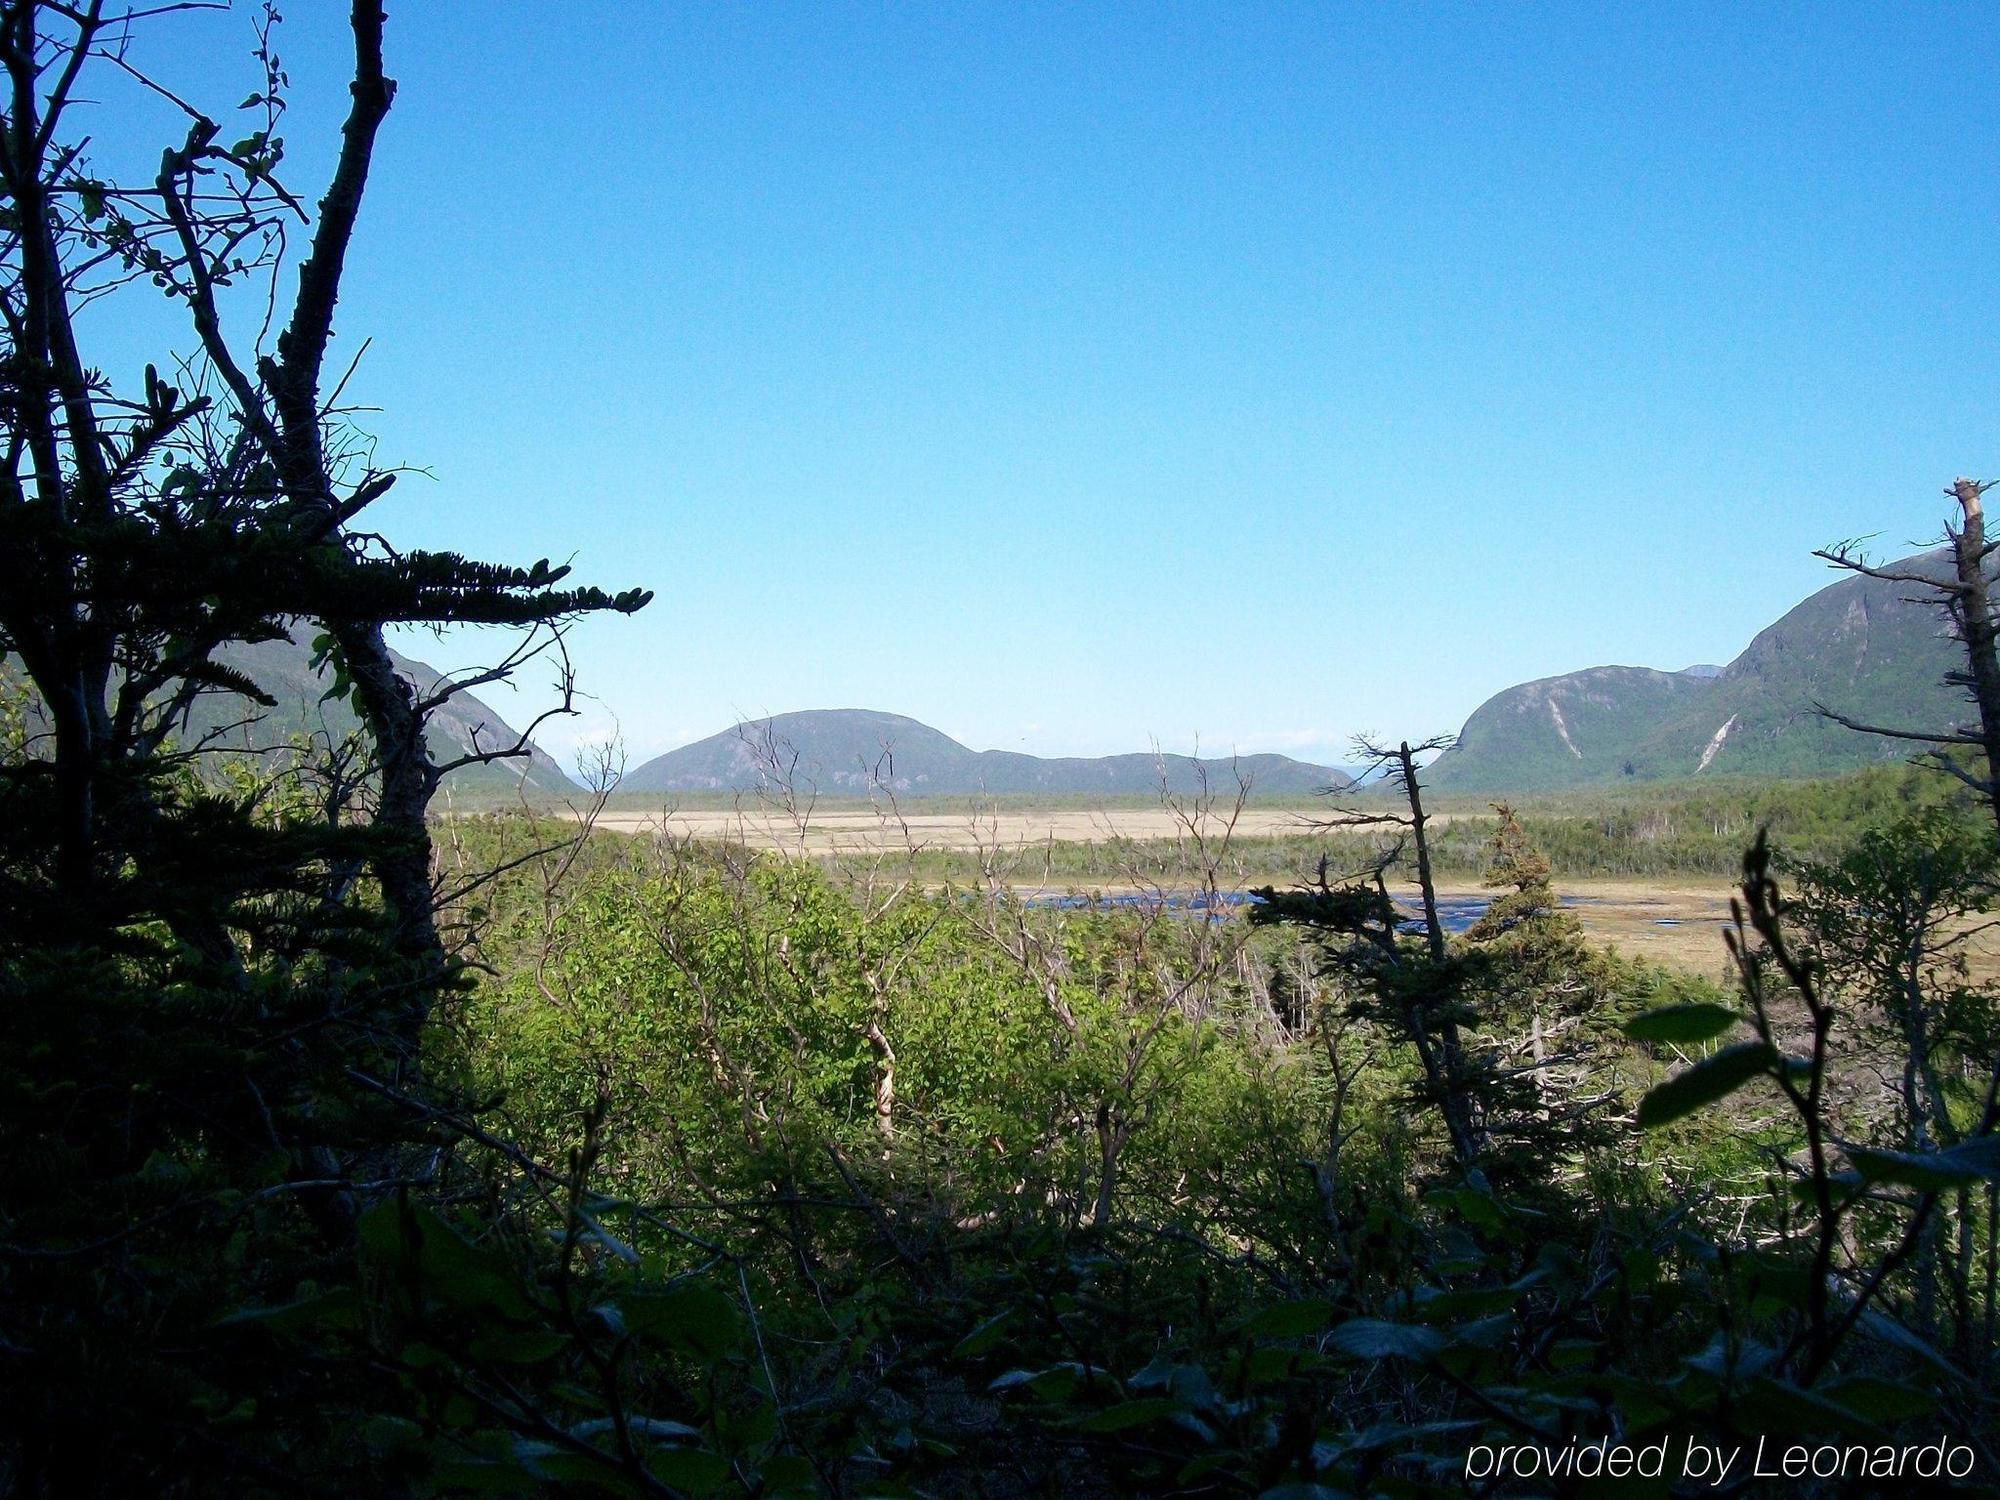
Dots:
pixel 1078 377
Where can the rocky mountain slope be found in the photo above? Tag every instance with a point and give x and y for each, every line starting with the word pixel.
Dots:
pixel 284 670
pixel 1864 647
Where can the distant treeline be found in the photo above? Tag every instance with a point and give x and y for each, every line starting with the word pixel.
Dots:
pixel 1703 827
pixel 1685 829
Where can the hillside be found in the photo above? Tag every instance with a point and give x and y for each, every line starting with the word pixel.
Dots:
pixel 1860 646
pixel 838 751
pixel 284 670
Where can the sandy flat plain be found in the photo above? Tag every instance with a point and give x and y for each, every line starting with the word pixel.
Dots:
pixel 849 830
pixel 1678 922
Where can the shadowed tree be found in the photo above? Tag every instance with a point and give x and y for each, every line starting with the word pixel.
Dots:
pixel 203 980
pixel 1540 996
pixel 1965 598
pixel 144 528
pixel 1413 987
pixel 1889 924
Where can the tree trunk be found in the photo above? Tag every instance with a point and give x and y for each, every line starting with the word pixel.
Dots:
pixel 885 1063
pixel 408 780
pixel 1433 923
pixel 1448 1069
pixel 1968 545
pixel 1112 1132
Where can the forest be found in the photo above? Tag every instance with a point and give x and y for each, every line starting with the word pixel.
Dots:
pixel 356 1149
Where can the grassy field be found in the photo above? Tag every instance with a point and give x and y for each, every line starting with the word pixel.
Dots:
pixel 1052 850
pixel 853 827
pixel 1692 831
pixel 1647 868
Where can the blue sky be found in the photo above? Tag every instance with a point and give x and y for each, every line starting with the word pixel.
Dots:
pixel 1074 378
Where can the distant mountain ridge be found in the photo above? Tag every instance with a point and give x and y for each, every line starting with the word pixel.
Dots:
pixel 284 669
pixel 849 751
pixel 1861 646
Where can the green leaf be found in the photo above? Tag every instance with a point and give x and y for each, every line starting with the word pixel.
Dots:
pixel 478 1476
pixel 1373 1338
pixel 1572 1354
pixel 518 1346
pixel 1135 1413
pixel 1477 1206
pixel 1775 1282
pixel 338 1308
pixel 1712 1078
pixel 1291 1320
pixel 446 1264
pixel 1446 1304
pixel 570 1468
pixel 1187 1384
pixel 984 1337
pixel 1640 1402
pixel 1778 1406
pixel 1274 1362
pixel 1889 1331
pixel 688 1315
pixel 608 1240
pixel 1972 1161
pixel 1698 1022
pixel 786 1472
pixel 1055 1383
pixel 1881 1400
pixel 659 1429
pixel 1732 1360
pixel 756 1426
pixel 694 1469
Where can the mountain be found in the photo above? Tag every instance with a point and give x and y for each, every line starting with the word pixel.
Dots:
pixel 1862 646
pixel 284 670
pixel 850 750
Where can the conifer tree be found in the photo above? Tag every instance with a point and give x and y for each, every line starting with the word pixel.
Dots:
pixel 1414 987
pixel 145 527
pixel 211 991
